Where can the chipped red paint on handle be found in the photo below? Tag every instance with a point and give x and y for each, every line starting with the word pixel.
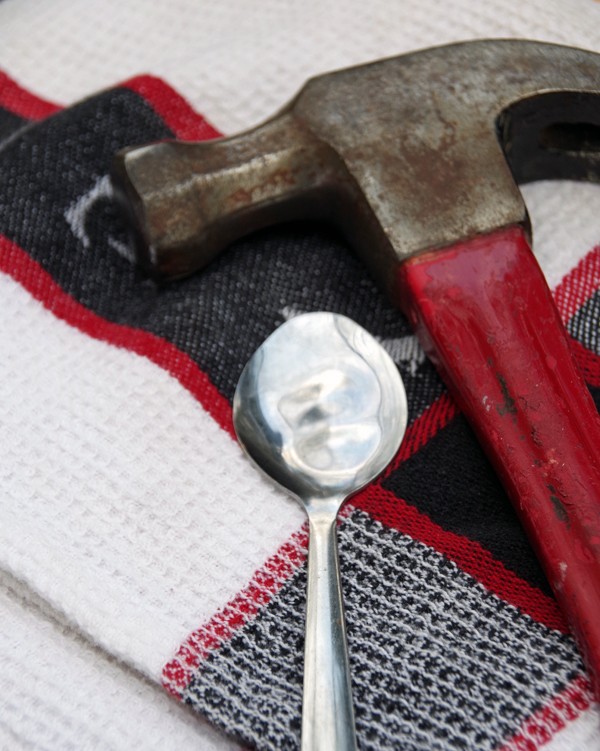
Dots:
pixel 486 317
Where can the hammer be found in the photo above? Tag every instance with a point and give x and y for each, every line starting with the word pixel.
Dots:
pixel 417 159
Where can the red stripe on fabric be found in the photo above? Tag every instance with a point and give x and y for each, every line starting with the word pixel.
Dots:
pixel 578 285
pixel 574 291
pixel 470 556
pixel 265 583
pixel 544 724
pixel 172 108
pixel 422 430
pixel 175 111
pixel 23 103
pixel 588 363
pixel 27 272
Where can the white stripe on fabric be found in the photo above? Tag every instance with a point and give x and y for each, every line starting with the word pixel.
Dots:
pixel 120 493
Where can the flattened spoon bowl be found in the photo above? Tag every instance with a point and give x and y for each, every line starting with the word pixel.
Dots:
pixel 321 409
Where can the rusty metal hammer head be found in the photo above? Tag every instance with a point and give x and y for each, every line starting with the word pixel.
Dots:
pixel 405 154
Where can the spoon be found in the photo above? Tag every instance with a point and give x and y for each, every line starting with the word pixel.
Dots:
pixel 321 409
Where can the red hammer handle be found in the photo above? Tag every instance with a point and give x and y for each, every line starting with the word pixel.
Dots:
pixel 486 317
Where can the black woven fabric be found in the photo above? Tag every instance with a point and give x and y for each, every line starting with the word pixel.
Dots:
pixel 458 668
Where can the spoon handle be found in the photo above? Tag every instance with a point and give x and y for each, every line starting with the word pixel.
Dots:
pixel 327 712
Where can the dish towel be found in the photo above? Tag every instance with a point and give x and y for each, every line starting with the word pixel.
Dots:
pixel 152 584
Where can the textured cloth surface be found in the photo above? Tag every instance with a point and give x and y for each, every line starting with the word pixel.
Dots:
pixel 137 545
pixel 60 691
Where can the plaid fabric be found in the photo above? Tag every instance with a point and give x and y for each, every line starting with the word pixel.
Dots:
pixel 455 639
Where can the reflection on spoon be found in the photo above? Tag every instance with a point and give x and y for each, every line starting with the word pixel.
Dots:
pixel 331 423
pixel 321 409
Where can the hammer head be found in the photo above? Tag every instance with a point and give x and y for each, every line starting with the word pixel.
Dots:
pixel 406 154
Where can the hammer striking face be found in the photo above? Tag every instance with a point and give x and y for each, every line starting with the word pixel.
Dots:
pixel 417 158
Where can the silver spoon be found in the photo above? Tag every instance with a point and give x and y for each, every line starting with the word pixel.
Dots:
pixel 321 409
